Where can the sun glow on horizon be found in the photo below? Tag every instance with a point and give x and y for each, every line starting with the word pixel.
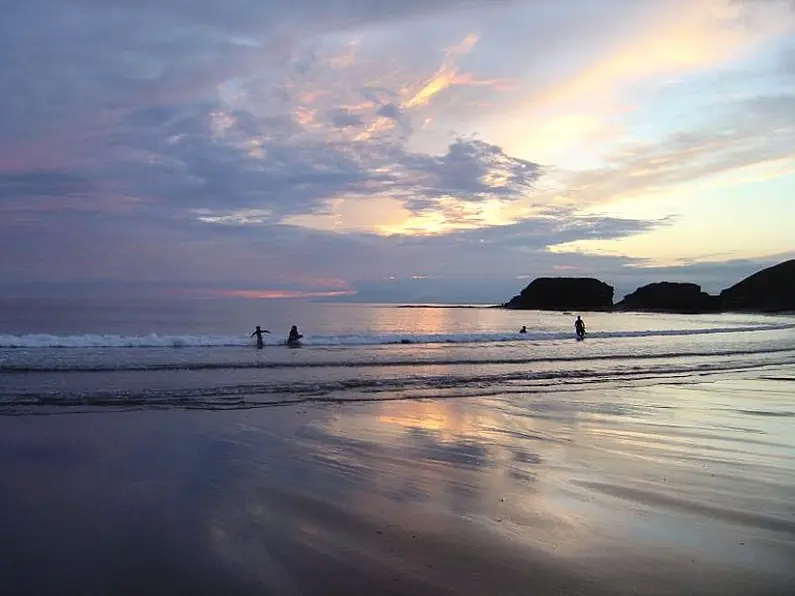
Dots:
pixel 269 294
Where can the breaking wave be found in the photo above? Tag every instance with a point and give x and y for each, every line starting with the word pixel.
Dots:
pixel 391 363
pixel 154 340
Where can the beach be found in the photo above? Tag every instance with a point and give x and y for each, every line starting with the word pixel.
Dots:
pixel 664 489
pixel 398 451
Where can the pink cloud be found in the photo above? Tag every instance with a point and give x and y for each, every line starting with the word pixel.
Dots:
pixel 266 294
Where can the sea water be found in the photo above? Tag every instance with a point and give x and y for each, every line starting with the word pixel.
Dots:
pixel 89 355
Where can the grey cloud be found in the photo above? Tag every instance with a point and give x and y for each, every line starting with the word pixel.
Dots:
pixel 389 110
pixel 343 118
pixel 378 95
pixel 538 233
pixel 712 276
pixel 624 274
pixel 187 253
pixel 511 249
pixel 186 164
pixel 463 173
pixel 62 62
pixel 255 15
pixel 146 247
pixel 161 62
pixel 186 159
pixel 41 184
pixel 398 116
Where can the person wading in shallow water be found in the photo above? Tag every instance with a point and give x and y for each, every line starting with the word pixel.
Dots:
pixel 294 335
pixel 258 332
pixel 523 329
pixel 579 328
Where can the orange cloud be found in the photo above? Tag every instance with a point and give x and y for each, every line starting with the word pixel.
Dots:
pixel 677 41
pixel 578 113
pixel 271 294
pixel 266 294
pixel 447 76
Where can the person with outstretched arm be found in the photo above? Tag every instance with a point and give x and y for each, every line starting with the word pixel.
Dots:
pixel 258 332
pixel 579 327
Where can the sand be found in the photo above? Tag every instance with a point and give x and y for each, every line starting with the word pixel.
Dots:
pixel 670 489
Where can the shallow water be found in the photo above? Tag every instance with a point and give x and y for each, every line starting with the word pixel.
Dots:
pixel 359 352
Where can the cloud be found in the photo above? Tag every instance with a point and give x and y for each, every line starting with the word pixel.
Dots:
pixel 270 145
pixel 390 110
pixel 104 56
pixel 214 161
pixel 27 185
pixel 751 131
pixel 343 118
pixel 578 108
pixel 712 276
pixel 269 294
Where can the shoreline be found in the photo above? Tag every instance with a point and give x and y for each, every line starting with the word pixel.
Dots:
pixel 664 489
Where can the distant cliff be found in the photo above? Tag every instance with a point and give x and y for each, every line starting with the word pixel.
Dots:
pixel 564 293
pixel 768 290
pixel 670 297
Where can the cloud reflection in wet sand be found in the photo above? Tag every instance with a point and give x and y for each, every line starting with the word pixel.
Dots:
pixel 658 490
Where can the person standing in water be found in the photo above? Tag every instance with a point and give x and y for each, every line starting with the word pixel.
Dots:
pixel 258 332
pixel 294 335
pixel 579 327
pixel 523 329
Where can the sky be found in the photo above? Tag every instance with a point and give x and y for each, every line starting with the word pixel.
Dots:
pixel 384 150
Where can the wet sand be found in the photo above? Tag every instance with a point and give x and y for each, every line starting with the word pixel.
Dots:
pixel 670 489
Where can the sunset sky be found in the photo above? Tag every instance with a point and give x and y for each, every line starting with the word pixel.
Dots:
pixel 445 150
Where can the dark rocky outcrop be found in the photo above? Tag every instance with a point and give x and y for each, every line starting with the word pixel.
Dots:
pixel 670 297
pixel 564 293
pixel 768 290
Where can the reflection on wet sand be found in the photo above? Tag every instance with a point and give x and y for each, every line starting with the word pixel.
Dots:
pixel 662 490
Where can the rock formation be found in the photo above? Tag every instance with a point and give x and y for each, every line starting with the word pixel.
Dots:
pixel 670 297
pixel 564 293
pixel 768 290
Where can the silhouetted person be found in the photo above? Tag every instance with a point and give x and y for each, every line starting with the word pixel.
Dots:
pixel 294 335
pixel 579 327
pixel 258 332
pixel 523 329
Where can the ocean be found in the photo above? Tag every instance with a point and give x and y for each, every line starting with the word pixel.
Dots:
pixel 198 353
pixel 150 448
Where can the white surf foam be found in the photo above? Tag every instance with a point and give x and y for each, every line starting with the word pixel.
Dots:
pixel 154 340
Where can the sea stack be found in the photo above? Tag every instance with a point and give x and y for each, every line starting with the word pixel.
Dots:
pixel 564 293
pixel 670 297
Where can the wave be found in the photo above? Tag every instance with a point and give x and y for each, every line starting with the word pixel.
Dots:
pixel 154 340
pixel 391 363
pixel 258 394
